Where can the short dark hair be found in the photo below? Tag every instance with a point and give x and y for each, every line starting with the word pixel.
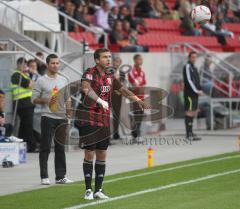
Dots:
pixel 21 60
pixel 191 53
pixel 99 51
pixel 31 61
pixel 39 54
pixel 51 56
pixel 2 92
pixel 136 56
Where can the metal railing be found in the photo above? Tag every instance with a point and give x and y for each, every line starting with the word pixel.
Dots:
pixel 20 29
pixel 230 70
pixel 68 18
pixel 16 44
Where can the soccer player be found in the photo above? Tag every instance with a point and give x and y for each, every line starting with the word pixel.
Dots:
pixel 137 80
pixel 192 90
pixel 94 128
pixel 42 94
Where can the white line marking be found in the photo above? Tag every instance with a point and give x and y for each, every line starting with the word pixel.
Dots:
pixel 168 169
pixel 155 189
pixel 172 168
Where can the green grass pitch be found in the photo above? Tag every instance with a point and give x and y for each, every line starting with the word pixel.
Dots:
pixel 205 183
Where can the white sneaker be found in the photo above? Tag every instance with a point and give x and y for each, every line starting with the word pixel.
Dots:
pixel 100 195
pixel 88 195
pixel 15 139
pixel 45 181
pixel 64 181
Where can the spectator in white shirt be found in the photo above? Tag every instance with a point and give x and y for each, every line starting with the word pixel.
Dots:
pixel 101 16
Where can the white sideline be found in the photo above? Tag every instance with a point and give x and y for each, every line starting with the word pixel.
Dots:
pixel 154 189
pixel 170 169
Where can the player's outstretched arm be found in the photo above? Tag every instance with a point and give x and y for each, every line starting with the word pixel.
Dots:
pixel 130 95
pixel 88 91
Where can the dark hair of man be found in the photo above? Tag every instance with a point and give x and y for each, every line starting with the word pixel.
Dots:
pixel 31 61
pixel 39 54
pixel 136 56
pixel 191 53
pixel 98 52
pixel 21 60
pixel 51 56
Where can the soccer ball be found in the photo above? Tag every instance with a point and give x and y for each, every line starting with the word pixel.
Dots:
pixel 201 14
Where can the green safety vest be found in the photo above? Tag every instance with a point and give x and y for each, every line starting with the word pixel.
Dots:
pixel 19 92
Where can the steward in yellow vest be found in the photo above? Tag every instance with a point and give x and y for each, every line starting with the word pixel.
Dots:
pixel 21 93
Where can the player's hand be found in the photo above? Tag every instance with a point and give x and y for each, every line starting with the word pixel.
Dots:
pixel 105 105
pixel 143 105
pixel 200 93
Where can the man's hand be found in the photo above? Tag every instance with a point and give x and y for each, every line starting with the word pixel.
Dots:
pixel 103 103
pixel 143 105
pixel 2 121
pixel 200 93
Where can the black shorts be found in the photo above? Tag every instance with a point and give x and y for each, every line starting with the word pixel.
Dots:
pixel 94 137
pixel 191 103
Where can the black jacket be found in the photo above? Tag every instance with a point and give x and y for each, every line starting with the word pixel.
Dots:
pixel 191 80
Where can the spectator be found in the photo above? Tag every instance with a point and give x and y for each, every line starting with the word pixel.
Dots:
pixel 125 14
pixel 117 37
pixel 214 27
pixel 22 92
pixel 137 80
pixel 116 99
pixel 101 17
pixel 187 26
pixel 222 7
pixel 69 9
pixel 41 66
pixel 5 129
pixel 144 9
pixel 113 16
pixel 235 7
pixel 82 14
pixel 32 67
pixel 206 74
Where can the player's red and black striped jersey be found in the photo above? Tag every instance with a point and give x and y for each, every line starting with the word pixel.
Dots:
pixel 102 85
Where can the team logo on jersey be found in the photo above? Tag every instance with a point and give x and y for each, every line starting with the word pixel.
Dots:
pixel 105 89
pixel 89 76
pixel 109 80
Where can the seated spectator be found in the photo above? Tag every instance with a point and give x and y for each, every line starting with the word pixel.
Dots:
pixel 83 17
pixel 82 14
pixel 41 66
pixel 125 14
pixel 188 28
pixel 101 17
pixel 144 9
pixel 113 16
pixel 160 9
pixel 5 129
pixel 137 24
pixel 222 7
pixel 117 37
pixel 214 28
pixel 235 7
pixel 69 9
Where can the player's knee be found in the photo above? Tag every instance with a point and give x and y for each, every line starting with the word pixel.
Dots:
pixel 101 155
pixel 89 155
